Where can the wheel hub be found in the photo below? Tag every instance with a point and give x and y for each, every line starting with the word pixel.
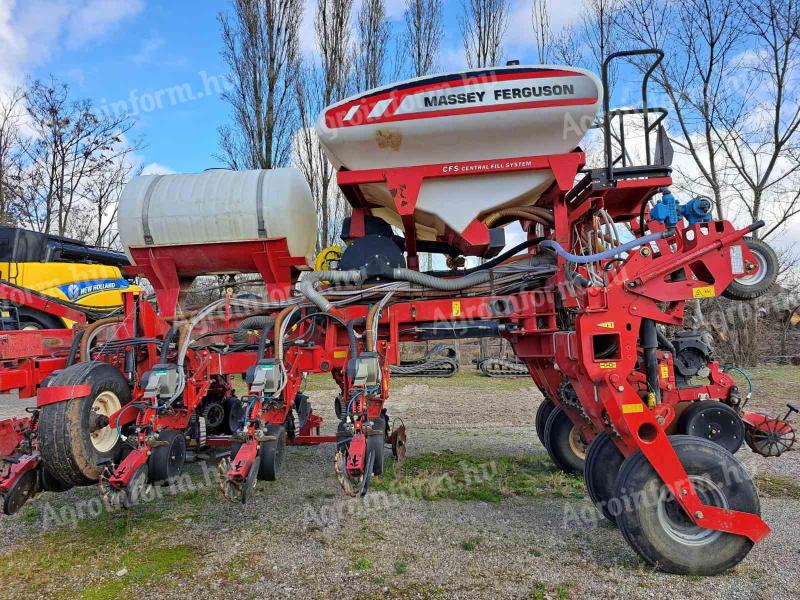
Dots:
pixel 677 524
pixel 104 437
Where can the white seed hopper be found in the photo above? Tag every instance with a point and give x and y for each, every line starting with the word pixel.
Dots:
pixel 507 112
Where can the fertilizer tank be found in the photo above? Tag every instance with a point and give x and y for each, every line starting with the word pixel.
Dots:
pixel 490 115
pixel 217 211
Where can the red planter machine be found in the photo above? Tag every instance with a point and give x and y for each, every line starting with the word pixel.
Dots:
pixel 580 308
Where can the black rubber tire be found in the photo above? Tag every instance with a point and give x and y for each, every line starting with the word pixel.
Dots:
pixel 30 317
pixel 645 532
pixel 64 435
pixel 272 453
pixel 544 410
pixel 23 490
pixel 215 415
pixel 557 431
pixel 767 258
pixel 703 417
pixel 603 462
pixel 376 444
pixel 166 462
pixel 51 483
pixel 234 415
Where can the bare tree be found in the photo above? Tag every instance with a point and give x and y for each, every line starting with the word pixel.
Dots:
pixel 599 32
pixel 760 134
pixel 372 46
pixel 700 39
pixel 483 25
pixel 72 146
pixel 261 46
pixel 566 47
pixel 542 31
pixel 422 35
pixel 11 151
pixel 321 84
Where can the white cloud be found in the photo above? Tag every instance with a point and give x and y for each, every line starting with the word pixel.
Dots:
pixel 32 30
pixel 155 168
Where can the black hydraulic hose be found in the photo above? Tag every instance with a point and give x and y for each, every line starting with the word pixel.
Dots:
pixel 493 262
pixel 664 343
pixel 262 340
pixel 648 335
pixel 74 347
pixel 167 341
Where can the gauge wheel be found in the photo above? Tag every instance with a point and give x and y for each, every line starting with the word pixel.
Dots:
pixel 544 410
pixel 564 443
pixel 603 461
pixel 658 529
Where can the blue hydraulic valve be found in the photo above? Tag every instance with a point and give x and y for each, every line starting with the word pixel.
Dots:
pixel 670 212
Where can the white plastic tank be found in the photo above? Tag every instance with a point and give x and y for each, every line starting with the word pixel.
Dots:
pixel 219 206
pixel 489 115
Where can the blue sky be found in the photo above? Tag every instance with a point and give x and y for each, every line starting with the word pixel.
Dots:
pixel 138 53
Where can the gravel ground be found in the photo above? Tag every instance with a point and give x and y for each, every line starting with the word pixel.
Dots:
pixel 301 536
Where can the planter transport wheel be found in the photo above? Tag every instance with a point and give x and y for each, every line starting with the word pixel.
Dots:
pixel 748 287
pixel 564 443
pixel 272 452
pixel 713 421
pixel 544 410
pixel 659 530
pixel 75 435
pixel 167 459
pixel 603 461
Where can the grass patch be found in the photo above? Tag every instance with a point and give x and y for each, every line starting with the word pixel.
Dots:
pixel 464 476
pixel 400 568
pixel 143 567
pixel 777 486
pixel 136 540
pixel 470 544
pixel 362 564
pixel 542 591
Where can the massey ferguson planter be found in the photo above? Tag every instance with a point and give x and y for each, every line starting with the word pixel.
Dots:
pixel 652 422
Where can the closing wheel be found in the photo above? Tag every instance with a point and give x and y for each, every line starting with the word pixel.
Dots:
pixel 603 461
pixel 75 435
pixel 167 459
pixel 376 444
pixel 715 421
pixel 659 530
pixel 758 283
pixel 20 492
pixel 564 443
pixel 544 410
pixel 272 452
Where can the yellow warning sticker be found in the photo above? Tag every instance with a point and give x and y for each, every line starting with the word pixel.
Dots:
pixel 608 365
pixel 664 372
pixel 607 325
pixel 456 308
pixel 633 408
pixel 339 353
pixel 705 291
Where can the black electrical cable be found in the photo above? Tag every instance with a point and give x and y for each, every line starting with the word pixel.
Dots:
pixel 493 262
